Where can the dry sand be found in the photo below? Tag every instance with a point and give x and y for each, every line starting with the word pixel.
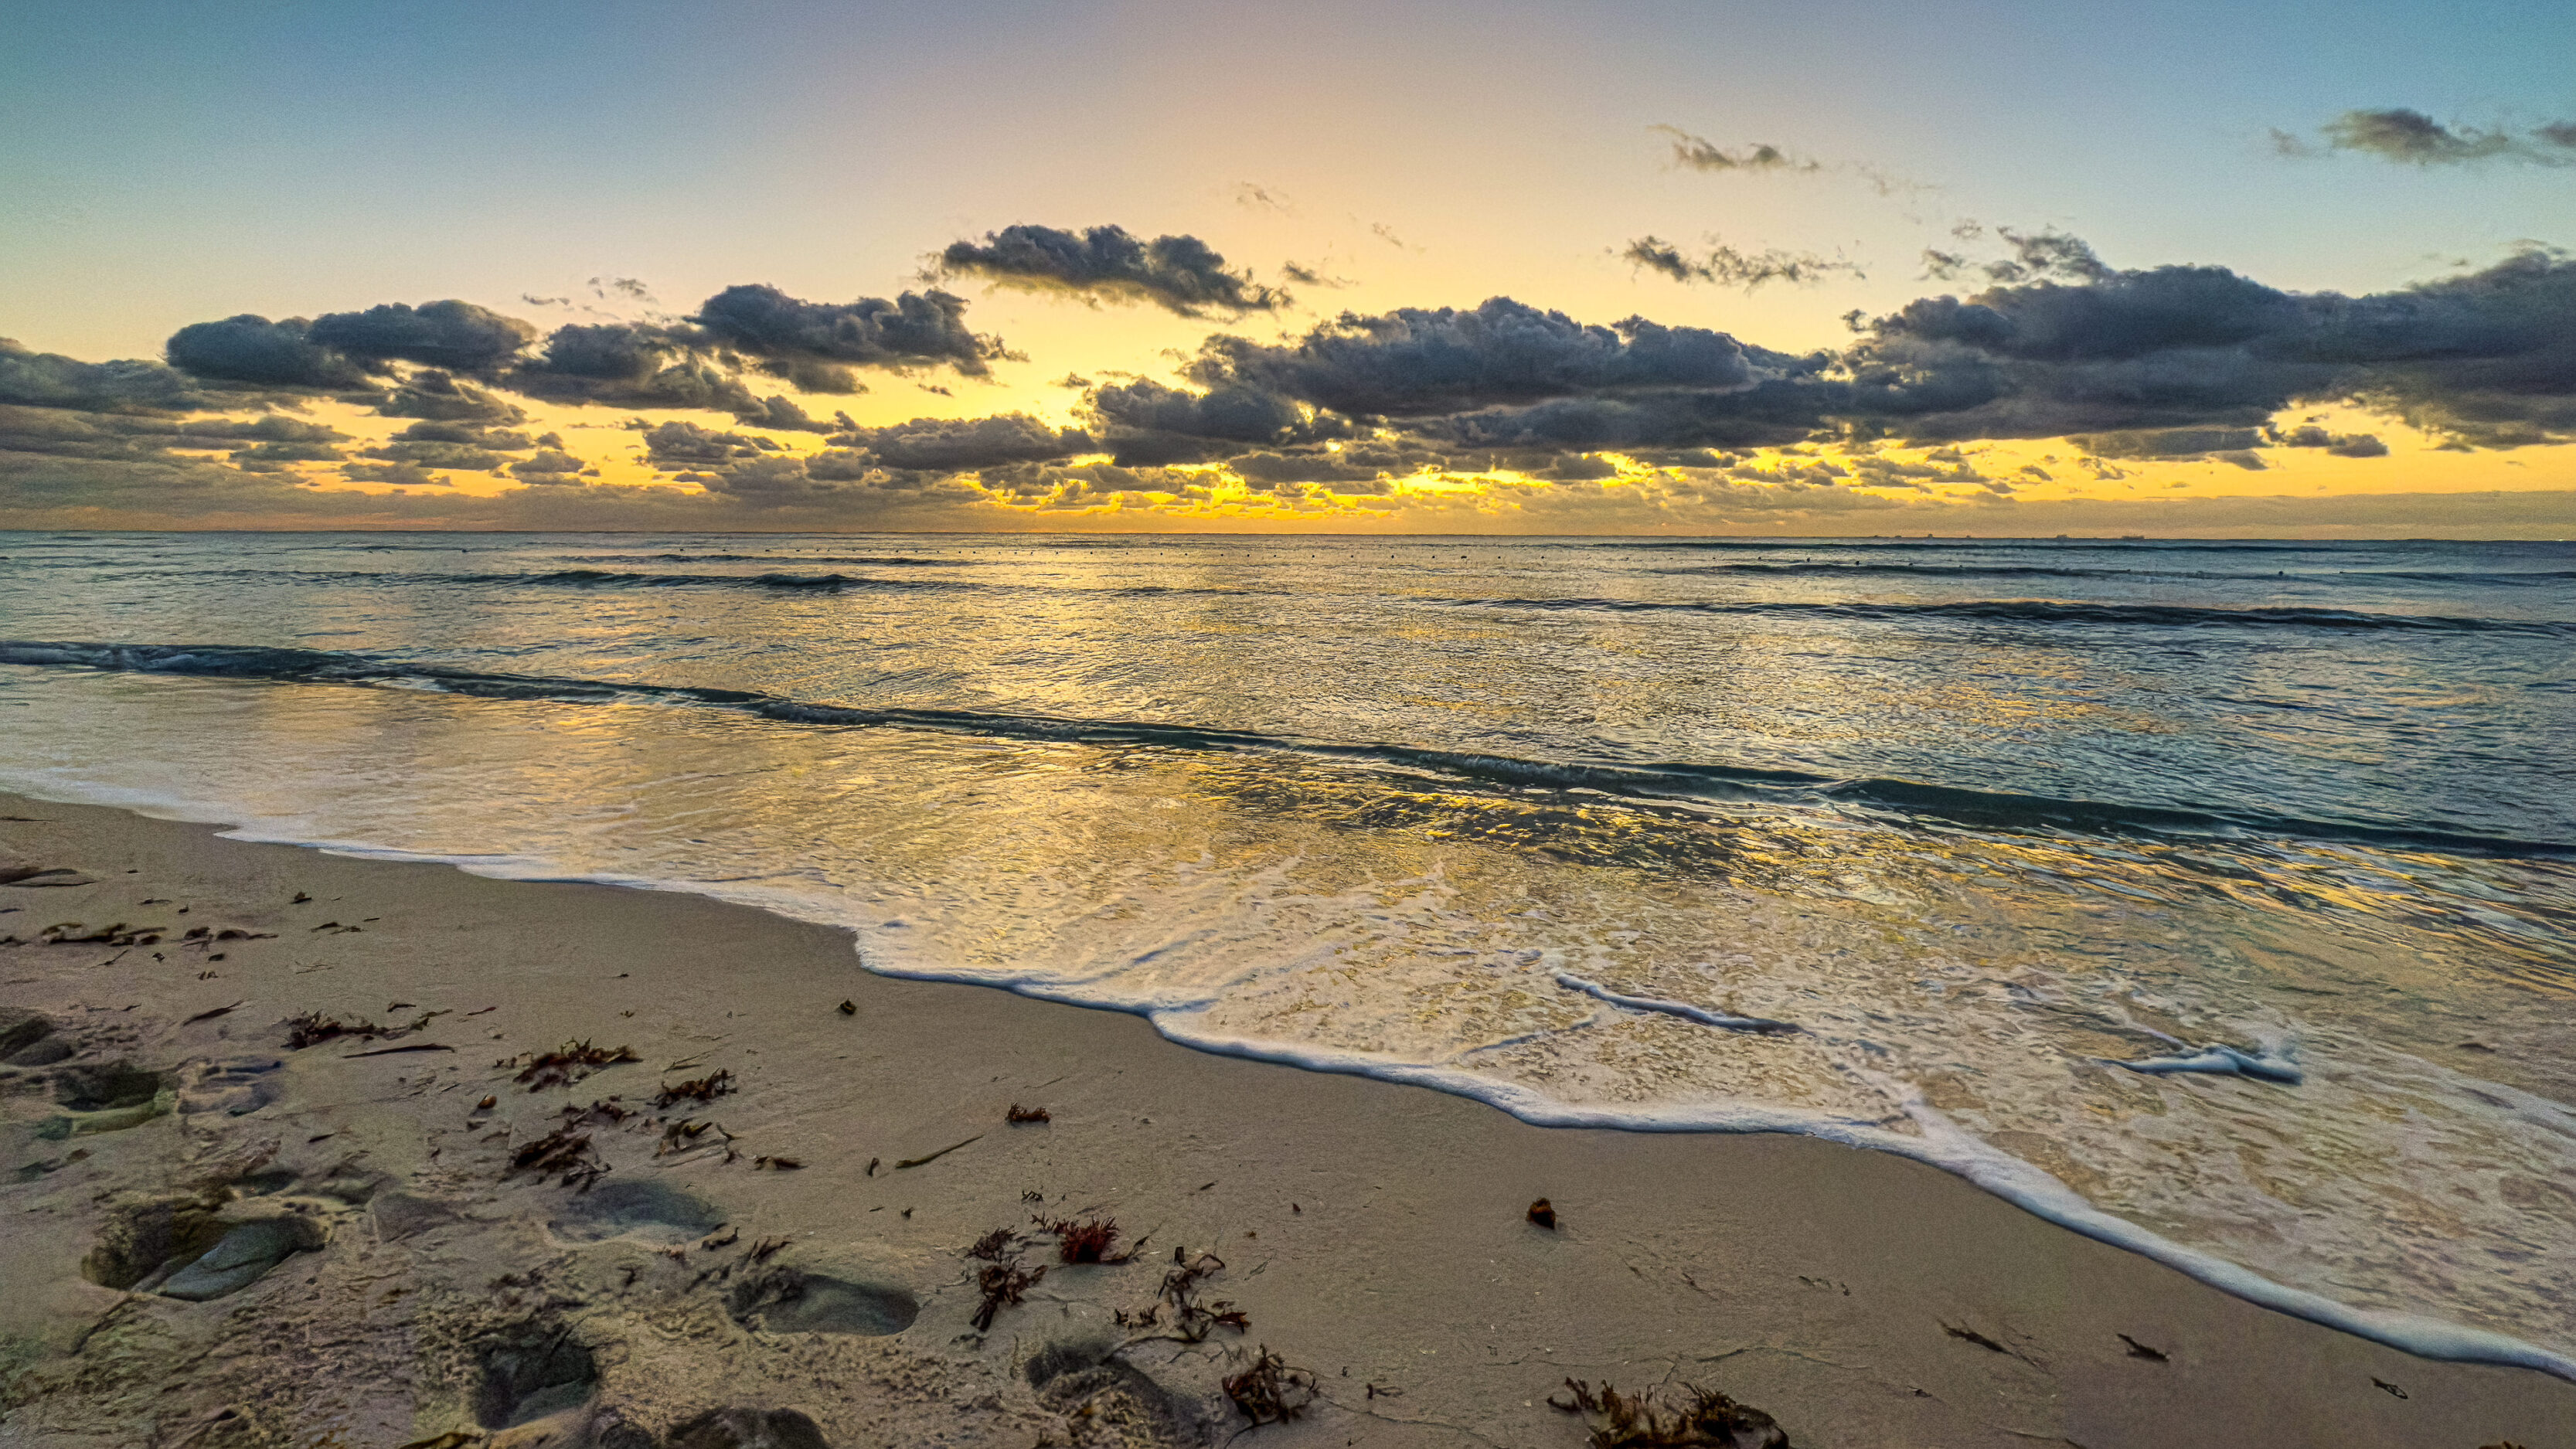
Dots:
pixel 1373 1234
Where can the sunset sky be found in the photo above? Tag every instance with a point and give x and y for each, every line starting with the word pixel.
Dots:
pixel 1402 267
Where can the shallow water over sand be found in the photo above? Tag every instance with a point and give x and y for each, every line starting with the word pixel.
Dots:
pixel 1580 826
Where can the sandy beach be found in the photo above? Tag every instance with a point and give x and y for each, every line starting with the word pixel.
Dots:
pixel 750 1214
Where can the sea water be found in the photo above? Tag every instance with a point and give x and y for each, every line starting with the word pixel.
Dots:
pixel 2214 898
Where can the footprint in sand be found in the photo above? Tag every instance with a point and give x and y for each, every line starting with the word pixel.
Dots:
pixel 790 1300
pixel 646 1211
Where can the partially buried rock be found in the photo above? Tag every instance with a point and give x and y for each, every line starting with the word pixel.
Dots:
pixel 240 1258
pixel 748 1429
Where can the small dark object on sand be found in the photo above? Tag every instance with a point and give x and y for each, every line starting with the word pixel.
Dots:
pixel 211 1015
pixel 1192 1317
pixel 570 1063
pixel 419 1046
pixel 697 1089
pixel 1710 1421
pixel 849 1008
pixel 935 1156
pixel 1543 1213
pixel 1019 1114
pixel 2140 1350
pixel 994 1246
pixel 762 1250
pixel 1085 1240
pixel 1271 1392
pixel 1970 1335
pixel 300 898
pixel 2384 1386
pixel 487 1104
pixel 778 1164
pixel 1003 1284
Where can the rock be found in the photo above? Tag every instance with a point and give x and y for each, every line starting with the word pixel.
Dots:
pixel 748 1429
pixel 21 1029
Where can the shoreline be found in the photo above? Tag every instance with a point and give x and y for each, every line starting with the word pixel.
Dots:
pixel 1949 1315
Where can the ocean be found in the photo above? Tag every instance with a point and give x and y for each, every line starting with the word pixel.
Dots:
pixel 2214 898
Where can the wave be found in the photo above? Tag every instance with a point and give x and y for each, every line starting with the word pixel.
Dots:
pixel 2531 578
pixel 862 560
pixel 1910 801
pixel 2051 611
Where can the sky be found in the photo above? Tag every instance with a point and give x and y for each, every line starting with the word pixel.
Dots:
pixel 1401 267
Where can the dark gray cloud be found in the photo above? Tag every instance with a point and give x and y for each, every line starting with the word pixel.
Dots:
pixel 1727 267
pixel 2046 255
pixel 437 397
pixel 815 344
pixel 50 380
pixel 455 335
pixel 961 444
pixel 251 349
pixel 2413 138
pixel 1701 154
pixel 687 443
pixel 1180 274
pixel 1416 361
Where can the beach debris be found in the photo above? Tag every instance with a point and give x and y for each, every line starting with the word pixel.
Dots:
pixel 33 876
pixel 1193 1316
pixel 681 1135
pixel 2386 1387
pixel 1019 1114
pixel 235 933
pixel 762 1251
pixel 872 1166
pixel 216 1012
pixel 613 1109
pixel 564 1150
pixel 1004 1284
pixel 935 1156
pixel 849 1008
pixel 1085 1240
pixel 2140 1350
pixel 566 1064
pixel 1543 1213
pixel 696 1089
pixel 420 1046
pixel 1966 1334
pixel 489 1102
pixel 1710 1420
pixel 1270 1391
pixel 300 898
pixel 779 1164
pixel 73 933
pixel 994 1246
pixel 712 1242
pixel 313 1028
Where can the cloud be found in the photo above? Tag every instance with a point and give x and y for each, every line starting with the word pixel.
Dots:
pixel 963 444
pixel 451 334
pixel 435 396
pixel 815 344
pixel 687 443
pixel 1728 267
pixel 250 348
pixel 1180 274
pixel 50 380
pixel 2413 138
pixel 2044 255
pixel 1700 154
pixel 1415 361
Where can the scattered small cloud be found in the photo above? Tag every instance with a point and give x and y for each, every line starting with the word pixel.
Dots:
pixel 1180 274
pixel 1701 154
pixel 2412 138
pixel 1725 266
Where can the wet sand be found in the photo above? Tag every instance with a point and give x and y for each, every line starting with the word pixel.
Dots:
pixel 368 1269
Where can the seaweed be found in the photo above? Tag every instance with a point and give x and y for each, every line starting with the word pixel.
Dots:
pixel 567 1064
pixel 1019 1114
pixel 1710 1420
pixel 697 1089
pixel 1970 1335
pixel 1084 1240
pixel 563 1150
pixel 994 1246
pixel 2140 1350
pixel 313 1028
pixel 778 1164
pixel 935 1156
pixel 1003 1285
pixel 1192 1318
pixel 1543 1213
pixel 1271 1392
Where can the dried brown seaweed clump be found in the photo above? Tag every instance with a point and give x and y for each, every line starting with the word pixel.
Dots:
pixel 1085 1240
pixel 1710 1420
pixel 1271 1392
pixel 313 1028
pixel 567 1064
